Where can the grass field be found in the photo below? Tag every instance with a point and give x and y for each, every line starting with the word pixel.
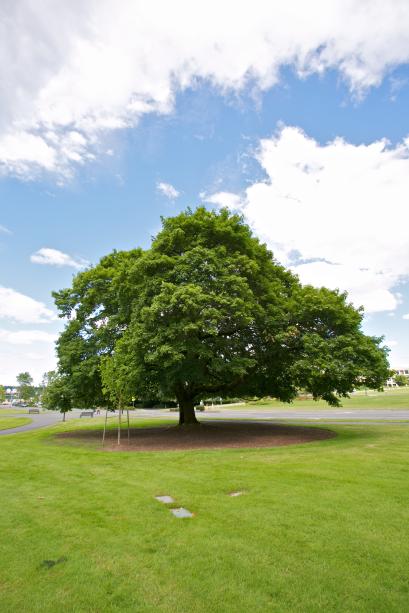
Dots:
pixel 320 527
pixel 395 398
pixel 11 411
pixel 13 422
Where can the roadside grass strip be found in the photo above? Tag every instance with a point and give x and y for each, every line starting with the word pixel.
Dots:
pixel 6 423
pixel 391 399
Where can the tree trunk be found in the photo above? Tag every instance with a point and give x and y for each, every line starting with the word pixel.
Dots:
pixel 63 416
pixel 187 414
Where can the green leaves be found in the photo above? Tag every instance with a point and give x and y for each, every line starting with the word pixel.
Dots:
pixel 207 310
pixel 58 394
pixel 98 308
pixel 25 385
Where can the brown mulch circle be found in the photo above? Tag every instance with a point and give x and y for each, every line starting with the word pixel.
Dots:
pixel 205 436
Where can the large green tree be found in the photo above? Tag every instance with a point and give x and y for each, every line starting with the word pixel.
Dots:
pixel 207 310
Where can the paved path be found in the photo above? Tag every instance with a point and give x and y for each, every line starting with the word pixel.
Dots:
pixel 38 421
pixel 377 417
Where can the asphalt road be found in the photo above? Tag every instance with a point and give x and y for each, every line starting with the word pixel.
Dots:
pixel 42 420
pixel 378 416
pixel 321 415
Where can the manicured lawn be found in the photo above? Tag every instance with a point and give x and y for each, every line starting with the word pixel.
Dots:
pixel 397 398
pixel 321 527
pixel 13 422
pixel 11 411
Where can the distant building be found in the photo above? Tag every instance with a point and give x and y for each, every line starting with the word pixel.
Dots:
pixel 402 371
pixel 399 371
pixel 11 392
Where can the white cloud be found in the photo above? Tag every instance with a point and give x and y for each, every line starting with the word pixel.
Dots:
pixel 337 213
pixel 224 199
pixel 27 337
pixel 167 190
pixel 365 287
pixel 22 350
pixel 15 358
pixel 21 148
pixel 406 316
pixel 5 230
pixel 19 307
pixel 98 68
pixel 53 257
pixel 25 154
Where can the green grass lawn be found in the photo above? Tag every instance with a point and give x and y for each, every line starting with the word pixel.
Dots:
pixel 397 398
pixel 13 422
pixel 321 527
pixel 11 411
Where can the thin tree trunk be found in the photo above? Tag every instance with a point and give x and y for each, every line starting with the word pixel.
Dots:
pixel 187 414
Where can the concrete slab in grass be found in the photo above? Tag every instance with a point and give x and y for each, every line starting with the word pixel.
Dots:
pixel 165 499
pixel 181 513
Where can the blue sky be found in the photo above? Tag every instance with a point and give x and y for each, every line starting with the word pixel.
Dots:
pixel 309 145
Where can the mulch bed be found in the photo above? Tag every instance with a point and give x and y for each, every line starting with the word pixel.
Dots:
pixel 205 436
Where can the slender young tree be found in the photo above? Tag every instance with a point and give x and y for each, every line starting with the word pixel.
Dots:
pixel 113 385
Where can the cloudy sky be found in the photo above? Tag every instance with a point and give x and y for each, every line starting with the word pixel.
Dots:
pixel 294 113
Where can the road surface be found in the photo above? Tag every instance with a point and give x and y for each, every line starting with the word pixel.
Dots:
pixel 377 416
pixel 325 415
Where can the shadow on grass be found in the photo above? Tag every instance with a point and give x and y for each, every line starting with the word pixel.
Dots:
pixel 344 436
pixel 207 436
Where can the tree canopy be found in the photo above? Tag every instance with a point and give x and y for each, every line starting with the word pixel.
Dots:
pixel 208 310
pixel 400 380
pixel 25 385
pixel 57 394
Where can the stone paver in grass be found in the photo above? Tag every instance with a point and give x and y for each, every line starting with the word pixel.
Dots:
pixel 165 499
pixel 234 494
pixel 181 513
